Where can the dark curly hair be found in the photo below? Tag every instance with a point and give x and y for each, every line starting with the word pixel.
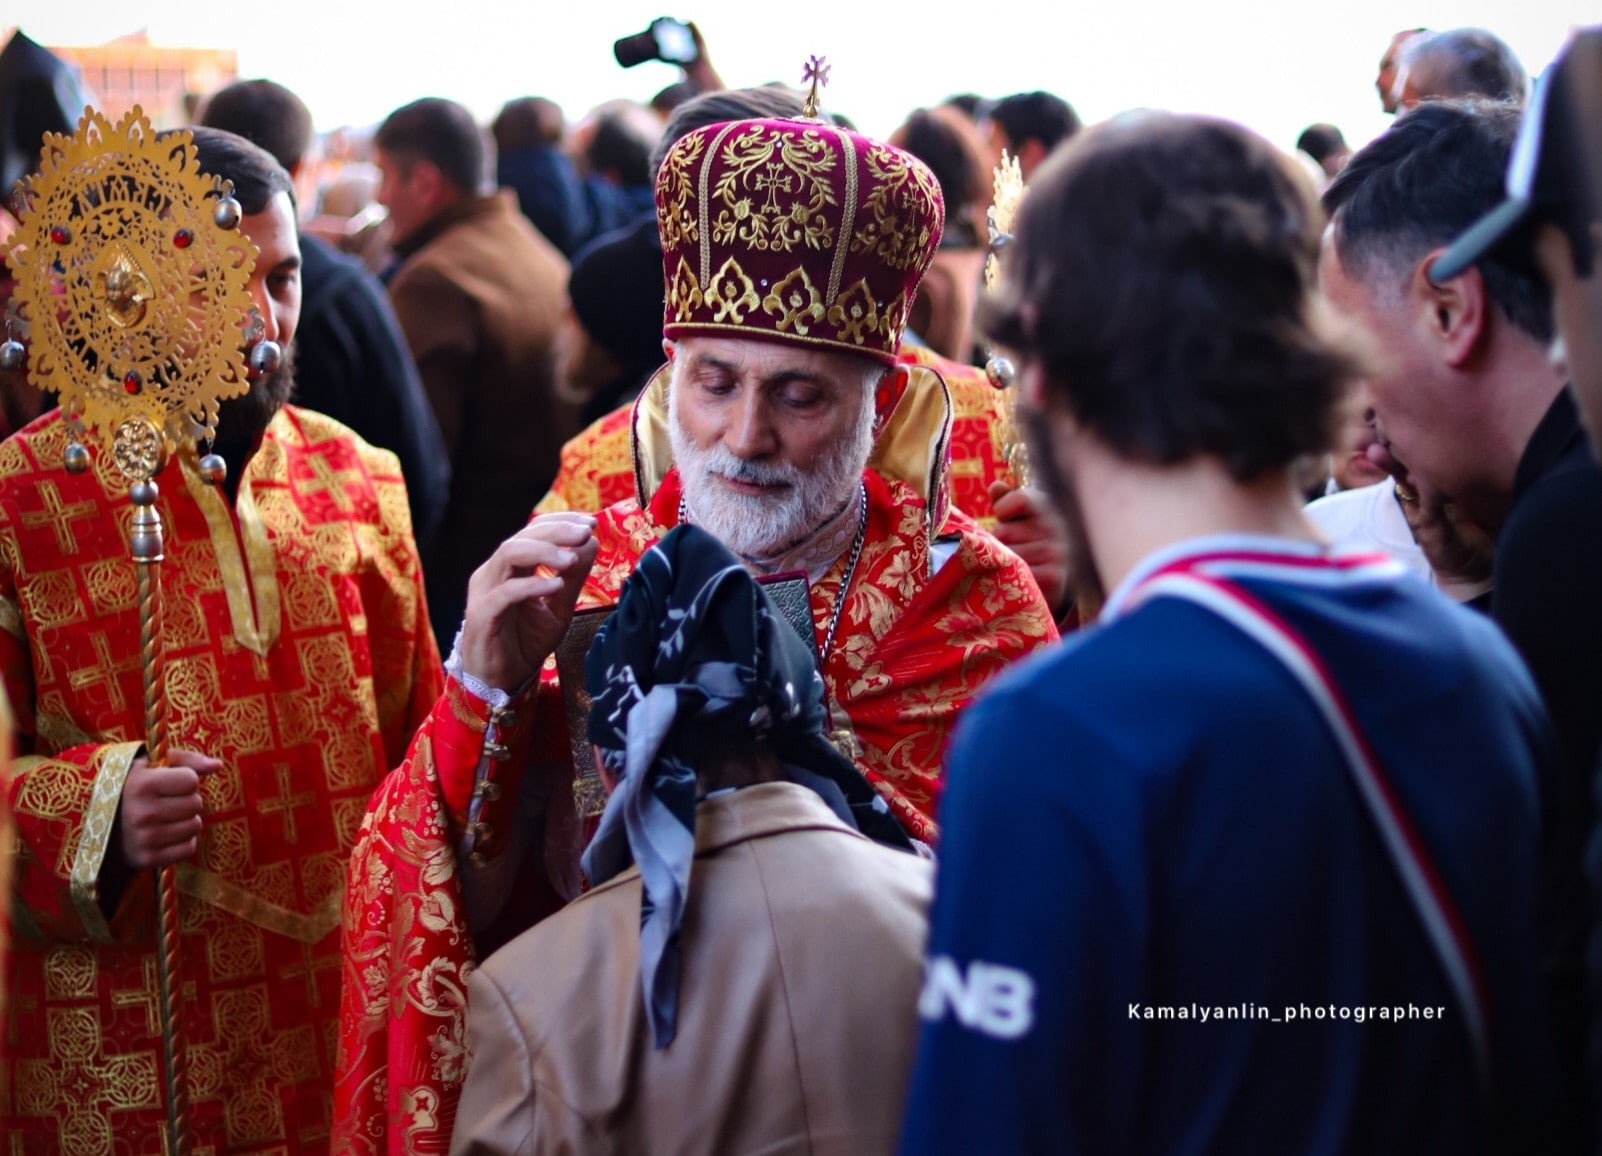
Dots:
pixel 255 172
pixel 1164 274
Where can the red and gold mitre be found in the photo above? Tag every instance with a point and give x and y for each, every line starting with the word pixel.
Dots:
pixel 794 230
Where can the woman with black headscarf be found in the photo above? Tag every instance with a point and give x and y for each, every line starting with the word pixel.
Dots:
pixel 744 973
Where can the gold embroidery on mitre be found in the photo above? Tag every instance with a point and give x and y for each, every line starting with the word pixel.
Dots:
pixel 773 191
pixel 902 210
pixel 848 218
pixel 703 199
pixel 797 301
pixel 675 185
pixel 731 293
pixel 893 318
pixel 684 292
pixel 855 314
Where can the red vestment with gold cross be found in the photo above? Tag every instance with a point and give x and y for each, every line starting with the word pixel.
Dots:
pixel 297 650
pixel 936 607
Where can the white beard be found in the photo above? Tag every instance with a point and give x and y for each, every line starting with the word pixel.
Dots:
pixel 769 525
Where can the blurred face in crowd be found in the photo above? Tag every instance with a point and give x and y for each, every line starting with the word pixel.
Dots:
pixel 996 141
pixel 409 188
pixel 1410 379
pixel 770 439
pixel 1385 82
pixel 1349 464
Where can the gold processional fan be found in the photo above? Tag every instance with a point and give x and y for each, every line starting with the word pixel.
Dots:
pixel 999 369
pixel 133 293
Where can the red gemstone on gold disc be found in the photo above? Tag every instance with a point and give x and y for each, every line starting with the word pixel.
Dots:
pixel 131 382
pixel 60 234
pixel 183 238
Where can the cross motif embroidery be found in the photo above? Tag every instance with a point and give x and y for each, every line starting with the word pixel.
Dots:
pixel 308 968
pixel 80 1084
pixel 329 481
pixel 773 182
pixel 58 516
pixel 143 997
pixel 286 803
pixel 104 673
pixel 249 1055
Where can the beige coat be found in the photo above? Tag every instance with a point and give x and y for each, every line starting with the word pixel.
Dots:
pixel 797 1019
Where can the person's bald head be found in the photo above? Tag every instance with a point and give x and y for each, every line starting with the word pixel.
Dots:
pixel 1458 63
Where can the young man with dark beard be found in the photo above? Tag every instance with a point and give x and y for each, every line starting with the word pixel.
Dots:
pixel 298 661
pixel 1265 786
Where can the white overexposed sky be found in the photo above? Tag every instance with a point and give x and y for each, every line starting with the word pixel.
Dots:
pixel 1274 66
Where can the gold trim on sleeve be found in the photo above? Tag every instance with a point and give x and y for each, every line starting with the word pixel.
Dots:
pixel 99 817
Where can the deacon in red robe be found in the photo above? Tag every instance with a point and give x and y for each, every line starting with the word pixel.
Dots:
pixel 299 660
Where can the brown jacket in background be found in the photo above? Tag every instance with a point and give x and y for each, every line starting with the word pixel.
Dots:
pixel 479 294
pixel 802 946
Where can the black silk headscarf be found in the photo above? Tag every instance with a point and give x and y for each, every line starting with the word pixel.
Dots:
pixel 695 652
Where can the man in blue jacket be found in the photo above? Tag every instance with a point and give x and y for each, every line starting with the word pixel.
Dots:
pixel 1272 885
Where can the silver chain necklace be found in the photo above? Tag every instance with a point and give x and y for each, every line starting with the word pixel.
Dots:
pixel 845 580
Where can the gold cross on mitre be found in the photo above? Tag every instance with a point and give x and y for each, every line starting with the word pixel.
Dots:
pixel 815 74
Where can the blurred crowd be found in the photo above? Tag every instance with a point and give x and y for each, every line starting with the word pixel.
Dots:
pixel 1223 780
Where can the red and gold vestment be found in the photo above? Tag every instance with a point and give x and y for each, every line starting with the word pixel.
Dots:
pixel 935 609
pixel 297 650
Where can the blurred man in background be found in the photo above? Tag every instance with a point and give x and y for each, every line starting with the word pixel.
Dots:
pixel 478 292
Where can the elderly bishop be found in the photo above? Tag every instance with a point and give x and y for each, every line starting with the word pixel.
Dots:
pixel 784 425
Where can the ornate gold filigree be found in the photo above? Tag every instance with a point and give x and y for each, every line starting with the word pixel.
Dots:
pixel 773 190
pixel 732 292
pixel 133 296
pixel 675 185
pixel 137 446
pixel 1008 185
pixel 797 302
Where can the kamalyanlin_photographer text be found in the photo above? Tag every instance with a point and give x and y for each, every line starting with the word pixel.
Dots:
pixel 1206 1013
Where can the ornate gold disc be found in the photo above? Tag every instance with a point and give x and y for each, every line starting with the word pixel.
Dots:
pixel 135 299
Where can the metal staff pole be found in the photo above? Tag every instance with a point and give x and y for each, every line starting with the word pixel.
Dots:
pixel 146 545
